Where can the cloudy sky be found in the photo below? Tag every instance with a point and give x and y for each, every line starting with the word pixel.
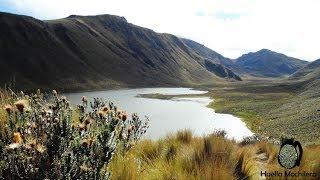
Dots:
pixel 230 27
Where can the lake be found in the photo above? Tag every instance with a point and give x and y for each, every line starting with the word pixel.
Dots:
pixel 168 116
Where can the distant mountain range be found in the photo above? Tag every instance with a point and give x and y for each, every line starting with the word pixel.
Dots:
pixel 105 51
pixel 263 63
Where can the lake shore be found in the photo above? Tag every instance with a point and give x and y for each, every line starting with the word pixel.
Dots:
pixel 263 107
pixel 178 108
pixel 275 110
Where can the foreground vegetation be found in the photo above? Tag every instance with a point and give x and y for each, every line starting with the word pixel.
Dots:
pixel 184 156
pixel 45 138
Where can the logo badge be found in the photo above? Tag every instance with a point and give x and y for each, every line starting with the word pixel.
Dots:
pixel 290 154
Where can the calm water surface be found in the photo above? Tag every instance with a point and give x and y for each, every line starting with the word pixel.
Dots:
pixel 168 116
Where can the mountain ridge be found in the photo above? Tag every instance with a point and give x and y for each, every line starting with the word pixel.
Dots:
pixel 260 64
pixel 88 52
pixel 267 63
pixel 108 51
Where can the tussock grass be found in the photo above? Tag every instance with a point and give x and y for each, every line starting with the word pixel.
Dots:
pixel 149 150
pixel 184 136
pixel 179 156
pixel 311 160
pixel 209 157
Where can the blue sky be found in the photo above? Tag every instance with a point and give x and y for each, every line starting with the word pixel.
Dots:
pixel 5 6
pixel 229 27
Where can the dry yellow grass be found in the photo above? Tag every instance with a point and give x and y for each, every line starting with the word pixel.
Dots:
pixel 183 156
pixel 4 99
pixel 179 156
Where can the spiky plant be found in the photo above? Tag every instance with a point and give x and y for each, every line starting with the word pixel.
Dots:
pixel 43 140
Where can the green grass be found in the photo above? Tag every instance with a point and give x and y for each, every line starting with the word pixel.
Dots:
pixel 250 107
pixel 271 109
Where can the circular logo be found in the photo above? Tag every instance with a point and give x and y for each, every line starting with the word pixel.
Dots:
pixel 290 154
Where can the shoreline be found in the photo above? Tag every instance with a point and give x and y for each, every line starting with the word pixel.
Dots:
pixel 210 105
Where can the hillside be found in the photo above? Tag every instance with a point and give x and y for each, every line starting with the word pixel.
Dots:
pixel 308 79
pixel 266 63
pixel 284 108
pixel 311 71
pixel 206 52
pixel 86 52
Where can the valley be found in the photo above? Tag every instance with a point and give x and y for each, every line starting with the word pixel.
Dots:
pixel 276 95
pixel 64 82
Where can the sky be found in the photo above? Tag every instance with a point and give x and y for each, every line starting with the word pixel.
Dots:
pixel 229 27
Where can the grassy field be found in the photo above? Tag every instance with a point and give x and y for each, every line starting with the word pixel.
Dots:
pixel 183 156
pixel 270 109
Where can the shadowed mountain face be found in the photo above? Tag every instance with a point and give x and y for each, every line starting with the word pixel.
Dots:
pixel 85 52
pixel 206 53
pixel 214 61
pixel 266 63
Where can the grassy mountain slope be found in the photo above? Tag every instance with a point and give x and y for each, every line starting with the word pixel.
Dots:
pixel 286 108
pixel 310 71
pixel 306 81
pixel 309 77
pixel 84 52
pixel 266 63
pixel 206 52
pixel 213 61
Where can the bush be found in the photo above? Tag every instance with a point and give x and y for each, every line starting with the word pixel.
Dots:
pixel 44 138
pixel 250 140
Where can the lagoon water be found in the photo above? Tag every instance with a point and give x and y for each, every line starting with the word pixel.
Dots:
pixel 168 116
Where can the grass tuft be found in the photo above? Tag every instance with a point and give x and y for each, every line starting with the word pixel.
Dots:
pixel 184 136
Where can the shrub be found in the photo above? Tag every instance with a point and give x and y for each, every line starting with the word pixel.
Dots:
pixel 250 140
pixel 43 139
pixel 219 133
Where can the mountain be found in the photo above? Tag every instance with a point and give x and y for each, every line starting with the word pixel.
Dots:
pixel 308 78
pixel 310 71
pixel 86 52
pixel 266 63
pixel 206 52
pixel 212 59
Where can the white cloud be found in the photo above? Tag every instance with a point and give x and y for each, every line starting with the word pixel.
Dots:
pixel 228 27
